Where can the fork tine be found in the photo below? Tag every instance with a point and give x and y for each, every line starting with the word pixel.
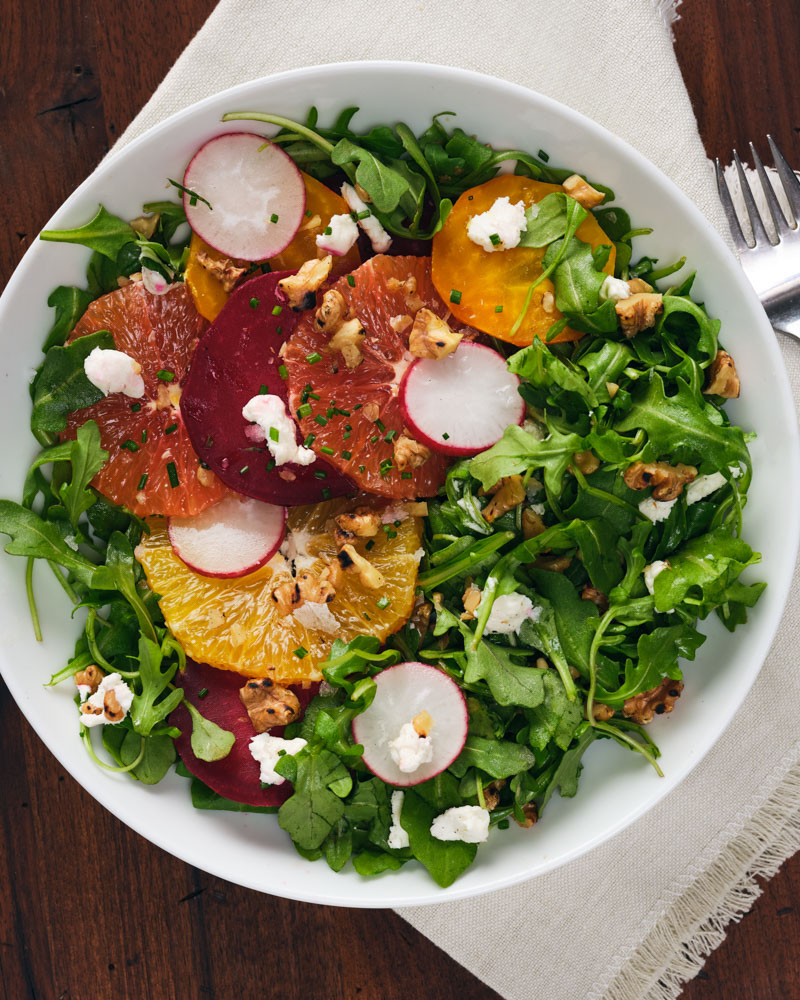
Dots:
pixel 791 185
pixel 781 225
pixel 759 232
pixel 730 212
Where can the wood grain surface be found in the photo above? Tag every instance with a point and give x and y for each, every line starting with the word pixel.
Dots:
pixel 89 909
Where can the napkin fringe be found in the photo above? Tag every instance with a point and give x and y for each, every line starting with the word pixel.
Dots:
pixel 666 959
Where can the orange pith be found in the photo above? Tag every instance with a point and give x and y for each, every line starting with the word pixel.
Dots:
pixel 487 280
pixel 234 624
pixel 146 437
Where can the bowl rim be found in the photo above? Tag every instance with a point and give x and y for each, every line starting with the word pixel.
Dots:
pixel 779 584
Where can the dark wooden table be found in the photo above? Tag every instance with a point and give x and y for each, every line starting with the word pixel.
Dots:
pixel 89 909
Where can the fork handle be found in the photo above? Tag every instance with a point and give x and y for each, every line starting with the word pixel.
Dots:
pixel 788 323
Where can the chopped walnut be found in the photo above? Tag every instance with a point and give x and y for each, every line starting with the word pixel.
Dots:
pixel 422 723
pixel 268 704
pixel 554 564
pixel 371 411
pixel 401 322
pixel 418 508
pixel 491 794
pixel 300 289
pixel 312 588
pixel 638 285
pixel 667 480
pixel 532 523
pixel 168 396
pixel 332 574
pixel 332 312
pixel 431 337
pixel 582 191
pixel 287 597
pixel 368 574
pixel 205 476
pixel 541 663
pixel 596 597
pixel 531 814
pixel 548 302
pixel 409 287
pixel 574 673
pixel 348 339
pixel 312 223
pixel 471 599
pixel 638 312
pixel 410 454
pixel 421 618
pixel 612 389
pixel 224 270
pixel 658 700
pixel 361 523
pixel 509 495
pixel 112 709
pixel 586 461
pixel 602 712
pixel 362 194
pixel 145 225
pixel 722 377
pixel 89 677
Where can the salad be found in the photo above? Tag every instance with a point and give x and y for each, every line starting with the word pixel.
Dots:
pixel 386 486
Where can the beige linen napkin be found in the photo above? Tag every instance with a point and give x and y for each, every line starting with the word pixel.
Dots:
pixel 631 920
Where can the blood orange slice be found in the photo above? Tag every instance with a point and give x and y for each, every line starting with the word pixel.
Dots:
pixel 235 624
pixel 355 416
pixel 152 467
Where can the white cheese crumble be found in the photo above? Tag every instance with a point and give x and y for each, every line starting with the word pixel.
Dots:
pixel 154 281
pixel 343 234
pixel 398 837
pixel 84 690
pixel 508 613
pixel 114 371
pixel 123 694
pixel 504 221
pixel 378 237
pixel 392 514
pixel 317 616
pixel 410 750
pixel 467 823
pixel 656 510
pixel 266 750
pixel 614 289
pixel 269 412
pixel 703 485
pixel 534 428
pixel 650 573
pixel 419 555
pixel 537 508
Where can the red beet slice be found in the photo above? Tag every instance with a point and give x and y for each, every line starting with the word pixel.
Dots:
pixel 236 356
pixel 236 776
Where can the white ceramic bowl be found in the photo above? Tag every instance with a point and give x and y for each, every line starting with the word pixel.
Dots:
pixel 616 786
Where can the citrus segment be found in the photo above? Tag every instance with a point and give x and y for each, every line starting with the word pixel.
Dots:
pixel 491 287
pixel 207 291
pixel 152 467
pixel 238 359
pixel 357 418
pixel 235 624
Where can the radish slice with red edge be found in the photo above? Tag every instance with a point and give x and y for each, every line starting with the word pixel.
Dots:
pixel 404 691
pixel 244 196
pixel 234 537
pixel 461 404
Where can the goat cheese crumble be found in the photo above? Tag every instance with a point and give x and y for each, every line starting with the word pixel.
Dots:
pixel 269 413
pixel 656 510
pixel 467 823
pixel 123 694
pixel 503 221
pixel 154 281
pixel 378 237
pixel 316 615
pixel 398 837
pixel 266 750
pixel 343 234
pixel 508 613
pixel 650 573
pixel 410 750
pixel 114 371
pixel 702 486
pixel 614 289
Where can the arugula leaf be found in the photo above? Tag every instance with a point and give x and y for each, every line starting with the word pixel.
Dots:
pixel 444 859
pixel 541 633
pixel 657 658
pixel 605 365
pixel 557 718
pixel 542 368
pixel 70 303
pixel 87 457
pixel 338 845
pixel 548 220
pixel 565 776
pixel 204 798
pixel 106 234
pixel 384 185
pixel 632 550
pixel 517 451
pixel 61 385
pixel 32 536
pixel 572 616
pixel 119 573
pixel 577 281
pixel 313 810
pixel 510 683
pixel 497 758
pixel 146 710
pixel 159 755
pixel 375 863
pixel 208 741
pixel 702 331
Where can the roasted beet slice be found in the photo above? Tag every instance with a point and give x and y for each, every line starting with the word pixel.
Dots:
pixel 236 776
pixel 235 359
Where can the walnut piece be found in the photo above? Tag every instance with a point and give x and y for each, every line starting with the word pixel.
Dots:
pixel 431 337
pixel 371 411
pixel 602 712
pixel 638 285
pixel 300 289
pixel 348 339
pixel 597 597
pixel 145 225
pixel 508 494
pixel 722 377
pixel 422 723
pixel 292 594
pixel 89 677
pixel 658 700
pixel 401 322
pixel 224 270
pixel 410 454
pixel 268 704
pixel 421 618
pixel 532 523
pixel 531 814
pixel 553 564
pixel 361 523
pixel 548 302
pixel 582 191
pixel 112 709
pixel 667 480
pixel 612 389
pixel 491 794
pixel 586 461
pixel 368 574
pixel 332 312
pixel 638 312
pixel 471 599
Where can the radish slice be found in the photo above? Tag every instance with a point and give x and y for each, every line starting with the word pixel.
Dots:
pixel 461 404
pixel 404 691
pixel 232 538
pixel 255 191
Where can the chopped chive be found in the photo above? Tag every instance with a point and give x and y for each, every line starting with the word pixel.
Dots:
pixel 367 617
pixel 202 692
pixel 314 396
pixel 498 309
pixel 144 436
pixel 301 653
pixel 273 218
pixel 373 439
pixel 320 474
pixel 319 419
pixel 354 216
pixel 279 330
pixel 135 407
pixel 380 425
pixel 130 445
pixel 455 296
pixel 309 440
pixel 270 465
pixel 406 475
pixel 370 545
pixel 346 434
pixel 266 267
pixel 330 412
pixel 351 281
pixel 386 466
pixel 327 231
pixel 254 303
pixel 264 390
pixel 362 468
pixel 383 602
pixel 277 310
pixel 326 450
pixel 347 455
pixel 495 239
pixel 274 434
pixel 343 413
pixel 283 371
pixel 172 473
pixel 326 493
pixel 390 532
pixel 446 436
pixel 364 214
pixel 204 465
pixel 243 469
pixel 142 482
pixel 304 410
pixel 171 429
pixel 308 213
pixel 544 156
pixel 166 376
pixel 313 358
pixel 390 436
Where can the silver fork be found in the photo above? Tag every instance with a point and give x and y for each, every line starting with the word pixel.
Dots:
pixel 771 263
